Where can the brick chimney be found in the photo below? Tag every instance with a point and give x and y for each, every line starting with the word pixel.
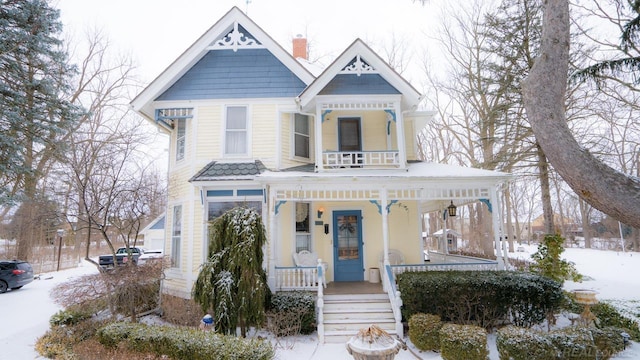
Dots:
pixel 300 47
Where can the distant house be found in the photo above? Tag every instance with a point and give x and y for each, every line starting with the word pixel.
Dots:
pixel 324 157
pixel 154 233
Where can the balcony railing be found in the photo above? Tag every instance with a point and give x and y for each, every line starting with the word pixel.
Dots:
pixel 362 159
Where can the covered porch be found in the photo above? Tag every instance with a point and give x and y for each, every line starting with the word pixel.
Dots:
pixel 380 212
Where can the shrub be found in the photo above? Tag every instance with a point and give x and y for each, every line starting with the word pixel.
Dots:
pixel 483 298
pixel 297 308
pixel 424 331
pixel 184 343
pixel 548 262
pixel 463 342
pixel 608 340
pixel 180 311
pixel 69 316
pixel 608 316
pixel 516 343
pixel 574 343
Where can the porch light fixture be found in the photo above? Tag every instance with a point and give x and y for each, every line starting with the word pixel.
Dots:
pixel 451 209
pixel 320 212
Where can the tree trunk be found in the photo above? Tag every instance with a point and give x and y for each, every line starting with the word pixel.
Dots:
pixel 545 190
pixel 586 223
pixel 604 188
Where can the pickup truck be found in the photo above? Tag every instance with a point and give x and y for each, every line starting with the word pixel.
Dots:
pixel 122 257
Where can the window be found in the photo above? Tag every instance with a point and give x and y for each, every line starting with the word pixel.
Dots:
pixel 303 228
pixel 301 136
pixel 236 131
pixel 181 125
pixel 176 236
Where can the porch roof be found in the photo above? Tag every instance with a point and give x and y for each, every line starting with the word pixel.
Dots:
pixel 433 185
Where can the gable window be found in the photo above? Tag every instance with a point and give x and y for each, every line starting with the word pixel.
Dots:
pixel 236 131
pixel 181 125
pixel 301 136
pixel 303 228
pixel 176 236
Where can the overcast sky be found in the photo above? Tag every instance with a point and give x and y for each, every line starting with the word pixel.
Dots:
pixel 156 32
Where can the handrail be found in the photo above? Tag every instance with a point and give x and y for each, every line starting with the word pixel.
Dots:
pixel 394 299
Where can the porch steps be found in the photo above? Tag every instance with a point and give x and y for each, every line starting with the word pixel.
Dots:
pixel 346 314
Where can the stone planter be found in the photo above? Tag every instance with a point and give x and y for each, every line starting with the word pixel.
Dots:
pixel 587 298
pixel 373 343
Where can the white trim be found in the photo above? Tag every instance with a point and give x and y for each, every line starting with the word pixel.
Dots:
pixel 248 134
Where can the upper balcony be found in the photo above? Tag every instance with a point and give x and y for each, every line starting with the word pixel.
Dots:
pixel 363 139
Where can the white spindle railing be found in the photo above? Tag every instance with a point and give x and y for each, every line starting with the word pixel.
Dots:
pixel 337 159
pixel 297 278
pixel 389 282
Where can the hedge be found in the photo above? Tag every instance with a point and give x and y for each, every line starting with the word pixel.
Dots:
pixel 483 298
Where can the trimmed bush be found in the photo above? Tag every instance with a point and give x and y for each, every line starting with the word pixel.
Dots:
pixel 516 343
pixel 69 316
pixel 424 331
pixel 296 306
pixel 574 343
pixel 184 343
pixel 608 316
pixel 467 342
pixel 608 340
pixel 483 298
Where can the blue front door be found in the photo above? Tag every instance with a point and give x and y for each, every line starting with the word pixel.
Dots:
pixel 347 245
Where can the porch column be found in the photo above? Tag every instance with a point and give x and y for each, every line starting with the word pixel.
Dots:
pixel 495 216
pixel 402 146
pixel 319 118
pixel 273 236
pixel 385 238
pixel 385 227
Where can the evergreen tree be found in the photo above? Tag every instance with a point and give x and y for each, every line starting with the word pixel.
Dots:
pixel 35 114
pixel 232 282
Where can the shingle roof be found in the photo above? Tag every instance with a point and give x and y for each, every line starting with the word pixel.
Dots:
pixel 225 171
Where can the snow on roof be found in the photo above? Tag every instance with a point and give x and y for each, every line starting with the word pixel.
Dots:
pixel 420 170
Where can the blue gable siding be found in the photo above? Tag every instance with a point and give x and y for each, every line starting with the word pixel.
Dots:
pixel 365 84
pixel 225 74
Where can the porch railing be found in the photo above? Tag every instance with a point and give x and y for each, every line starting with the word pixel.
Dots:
pixel 339 159
pixel 444 262
pixel 297 278
pixel 394 298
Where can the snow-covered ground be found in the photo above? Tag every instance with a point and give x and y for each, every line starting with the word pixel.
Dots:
pixel 25 313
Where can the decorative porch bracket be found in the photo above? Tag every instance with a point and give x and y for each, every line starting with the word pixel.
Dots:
pixel 325 113
pixel 391 115
pixel 488 203
pixel 379 206
pixel 278 204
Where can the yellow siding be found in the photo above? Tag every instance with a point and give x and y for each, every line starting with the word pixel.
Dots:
pixel 264 125
pixel 285 141
pixel 410 140
pixel 208 138
pixel 374 130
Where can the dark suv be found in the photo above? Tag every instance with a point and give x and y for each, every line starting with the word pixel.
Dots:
pixel 14 274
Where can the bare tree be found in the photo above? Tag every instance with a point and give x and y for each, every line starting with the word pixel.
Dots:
pixel 600 185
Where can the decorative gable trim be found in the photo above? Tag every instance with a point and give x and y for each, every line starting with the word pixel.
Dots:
pixel 359 67
pixel 237 38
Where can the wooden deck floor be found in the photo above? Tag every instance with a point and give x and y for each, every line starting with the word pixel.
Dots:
pixel 353 287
